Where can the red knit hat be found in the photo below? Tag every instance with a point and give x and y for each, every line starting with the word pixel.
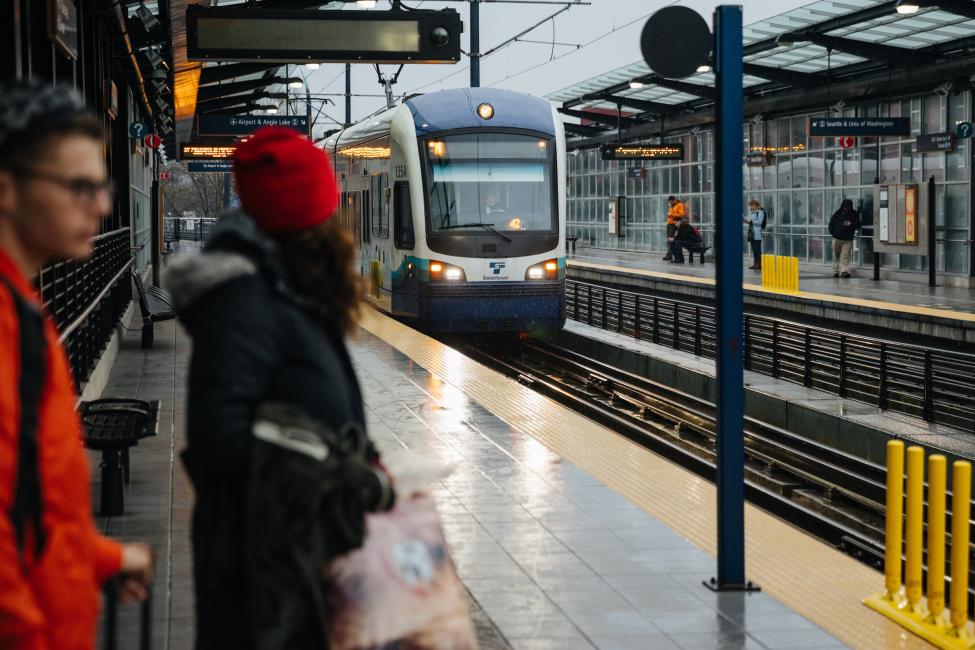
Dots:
pixel 285 182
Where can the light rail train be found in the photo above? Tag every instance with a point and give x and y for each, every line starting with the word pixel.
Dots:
pixel 456 201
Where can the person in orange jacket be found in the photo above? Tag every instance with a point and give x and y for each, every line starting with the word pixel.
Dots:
pixel 53 195
pixel 675 212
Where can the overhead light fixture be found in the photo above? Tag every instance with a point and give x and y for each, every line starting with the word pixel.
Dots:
pixel 704 67
pixel 907 7
pixel 155 61
pixel 365 4
pixel 296 84
pixel 147 18
pixel 785 40
pixel 636 84
pixel 313 66
pixel 271 110
pixel 161 104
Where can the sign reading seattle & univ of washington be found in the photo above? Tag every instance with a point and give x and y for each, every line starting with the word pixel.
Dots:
pixel 859 126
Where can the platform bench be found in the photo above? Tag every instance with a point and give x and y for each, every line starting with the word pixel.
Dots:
pixel 112 426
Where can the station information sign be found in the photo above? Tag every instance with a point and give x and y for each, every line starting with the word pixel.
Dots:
pixel 210 166
pixel 757 159
pixel 859 126
pixel 191 151
pixel 218 124
pixel 935 142
pixel 642 151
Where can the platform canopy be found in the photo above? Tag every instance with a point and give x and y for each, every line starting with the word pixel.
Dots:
pixel 810 56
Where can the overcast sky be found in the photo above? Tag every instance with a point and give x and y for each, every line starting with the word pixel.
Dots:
pixel 607 30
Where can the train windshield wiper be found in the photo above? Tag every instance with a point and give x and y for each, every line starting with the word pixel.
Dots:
pixel 486 226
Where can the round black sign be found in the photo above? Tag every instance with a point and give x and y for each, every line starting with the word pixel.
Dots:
pixel 675 42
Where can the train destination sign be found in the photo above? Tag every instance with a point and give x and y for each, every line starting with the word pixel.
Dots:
pixel 191 151
pixel 219 124
pixel 859 126
pixel 642 152
pixel 757 159
pixel 935 142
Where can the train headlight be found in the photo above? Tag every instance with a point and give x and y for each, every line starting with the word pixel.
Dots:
pixel 485 111
pixel 440 271
pixel 547 270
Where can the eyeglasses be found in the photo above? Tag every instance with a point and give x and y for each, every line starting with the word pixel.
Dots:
pixel 84 189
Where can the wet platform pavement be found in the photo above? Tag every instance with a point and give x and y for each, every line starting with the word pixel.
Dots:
pixel 551 557
pixel 813 278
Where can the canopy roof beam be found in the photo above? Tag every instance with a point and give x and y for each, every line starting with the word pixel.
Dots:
pixel 216 73
pixel 790 77
pixel 599 118
pixel 209 93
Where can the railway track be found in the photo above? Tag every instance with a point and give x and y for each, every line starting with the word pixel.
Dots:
pixel 833 495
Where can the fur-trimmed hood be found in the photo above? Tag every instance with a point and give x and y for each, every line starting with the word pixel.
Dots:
pixel 235 248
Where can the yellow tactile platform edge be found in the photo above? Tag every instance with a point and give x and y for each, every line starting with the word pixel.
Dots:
pixel 813 579
pixel 807 295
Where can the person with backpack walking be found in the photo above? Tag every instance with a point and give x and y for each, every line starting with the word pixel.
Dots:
pixel 755 219
pixel 843 226
pixel 267 304
pixel 53 196
pixel 675 212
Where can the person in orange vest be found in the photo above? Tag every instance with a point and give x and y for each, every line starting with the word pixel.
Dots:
pixel 675 212
pixel 53 195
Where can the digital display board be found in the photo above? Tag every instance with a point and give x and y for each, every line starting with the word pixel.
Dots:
pixel 642 151
pixel 298 36
pixel 191 151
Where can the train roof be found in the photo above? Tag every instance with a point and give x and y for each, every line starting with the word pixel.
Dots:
pixel 456 109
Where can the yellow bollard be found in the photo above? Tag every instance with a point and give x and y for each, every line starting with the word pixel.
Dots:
pixel 895 497
pixel 915 530
pixel 779 271
pixel 795 273
pixel 961 486
pixel 764 270
pixel 937 469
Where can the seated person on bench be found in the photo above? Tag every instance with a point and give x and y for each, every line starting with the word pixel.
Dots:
pixel 687 236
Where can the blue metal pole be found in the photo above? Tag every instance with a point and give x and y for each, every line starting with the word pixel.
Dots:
pixel 731 393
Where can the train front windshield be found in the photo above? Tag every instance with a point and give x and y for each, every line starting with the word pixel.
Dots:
pixel 501 180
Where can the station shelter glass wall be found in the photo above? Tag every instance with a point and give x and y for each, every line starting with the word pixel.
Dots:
pixel 805 182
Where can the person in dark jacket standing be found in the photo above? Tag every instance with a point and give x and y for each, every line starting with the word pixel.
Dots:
pixel 843 227
pixel 267 304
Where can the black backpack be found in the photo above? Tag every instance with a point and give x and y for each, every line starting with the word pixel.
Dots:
pixel 764 217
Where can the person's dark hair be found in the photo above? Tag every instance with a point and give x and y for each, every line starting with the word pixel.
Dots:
pixel 23 149
pixel 671 198
pixel 847 203
pixel 321 260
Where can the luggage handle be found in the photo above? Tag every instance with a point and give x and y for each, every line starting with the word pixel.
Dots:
pixel 111 617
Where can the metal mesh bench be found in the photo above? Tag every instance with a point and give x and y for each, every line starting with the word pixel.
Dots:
pixel 155 304
pixel 112 426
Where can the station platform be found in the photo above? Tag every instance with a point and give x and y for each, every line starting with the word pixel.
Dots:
pixel 565 534
pixel 908 309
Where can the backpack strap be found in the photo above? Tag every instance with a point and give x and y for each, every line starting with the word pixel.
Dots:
pixel 27 503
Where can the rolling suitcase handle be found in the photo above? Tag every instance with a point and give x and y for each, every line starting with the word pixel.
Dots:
pixel 111 617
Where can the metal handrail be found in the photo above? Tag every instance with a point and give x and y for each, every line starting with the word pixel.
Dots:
pixel 76 323
pixel 933 384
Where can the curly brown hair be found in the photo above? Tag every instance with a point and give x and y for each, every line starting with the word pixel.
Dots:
pixel 322 262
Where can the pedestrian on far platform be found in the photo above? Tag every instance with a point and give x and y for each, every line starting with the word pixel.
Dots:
pixel 756 224
pixel 53 195
pixel 843 227
pixel 676 210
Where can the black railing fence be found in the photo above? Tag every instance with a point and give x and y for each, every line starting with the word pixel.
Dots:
pixel 936 385
pixel 185 229
pixel 87 298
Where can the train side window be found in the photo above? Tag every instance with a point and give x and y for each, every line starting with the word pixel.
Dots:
pixel 402 216
pixel 375 207
pixel 384 205
pixel 362 200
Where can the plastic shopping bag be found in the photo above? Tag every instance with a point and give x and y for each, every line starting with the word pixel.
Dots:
pixel 400 589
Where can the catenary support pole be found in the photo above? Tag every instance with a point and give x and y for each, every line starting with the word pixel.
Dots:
pixel 475 43
pixel 348 95
pixel 730 373
pixel 932 233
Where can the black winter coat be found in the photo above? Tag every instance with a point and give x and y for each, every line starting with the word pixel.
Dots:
pixel 254 341
pixel 843 225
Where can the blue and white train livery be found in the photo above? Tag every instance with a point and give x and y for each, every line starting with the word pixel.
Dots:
pixel 456 200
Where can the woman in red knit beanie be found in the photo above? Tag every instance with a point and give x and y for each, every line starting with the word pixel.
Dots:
pixel 267 304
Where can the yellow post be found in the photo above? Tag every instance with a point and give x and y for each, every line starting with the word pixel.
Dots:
pixel 895 505
pixel 937 469
pixel 764 270
pixel 779 271
pixel 961 487
pixel 795 273
pixel 915 529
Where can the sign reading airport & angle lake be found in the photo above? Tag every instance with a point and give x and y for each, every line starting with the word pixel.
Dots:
pixel 217 124
pixel 935 142
pixel 859 126
pixel 211 166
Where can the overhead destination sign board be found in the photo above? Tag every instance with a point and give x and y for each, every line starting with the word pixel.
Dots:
pixel 217 124
pixel 210 166
pixel 642 151
pixel 191 151
pixel 298 36
pixel 859 126
pixel 757 159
